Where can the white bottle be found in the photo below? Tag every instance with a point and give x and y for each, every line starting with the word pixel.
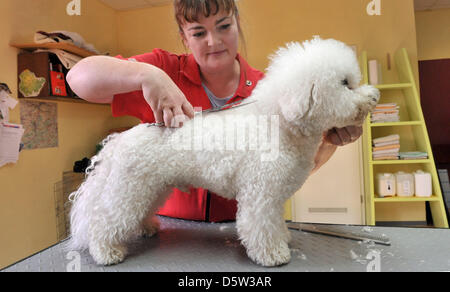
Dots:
pixel 422 184
pixel 386 185
pixel 405 184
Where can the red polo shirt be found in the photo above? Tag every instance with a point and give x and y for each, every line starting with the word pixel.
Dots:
pixel 199 204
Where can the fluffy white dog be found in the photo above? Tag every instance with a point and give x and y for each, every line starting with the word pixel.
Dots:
pixel 309 88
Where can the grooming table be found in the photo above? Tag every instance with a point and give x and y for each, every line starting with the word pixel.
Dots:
pixel 186 246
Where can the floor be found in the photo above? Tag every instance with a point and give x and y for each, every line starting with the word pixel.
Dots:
pixel 186 246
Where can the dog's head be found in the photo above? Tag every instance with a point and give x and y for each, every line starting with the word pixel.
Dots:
pixel 318 84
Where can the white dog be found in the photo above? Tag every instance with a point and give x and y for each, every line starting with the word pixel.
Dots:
pixel 309 88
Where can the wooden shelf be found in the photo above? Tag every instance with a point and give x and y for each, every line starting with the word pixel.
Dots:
pixel 414 161
pixel 393 86
pixel 62 99
pixel 406 199
pixel 61 46
pixel 396 124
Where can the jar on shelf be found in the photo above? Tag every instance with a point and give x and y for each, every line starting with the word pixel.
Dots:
pixel 386 185
pixel 422 184
pixel 405 184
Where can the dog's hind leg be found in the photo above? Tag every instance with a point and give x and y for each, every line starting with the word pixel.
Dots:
pixel 106 254
pixel 262 230
pixel 150 224
pixel 119 219
pixel 106 244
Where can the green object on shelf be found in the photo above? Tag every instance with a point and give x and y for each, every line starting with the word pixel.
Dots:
pixel 29 84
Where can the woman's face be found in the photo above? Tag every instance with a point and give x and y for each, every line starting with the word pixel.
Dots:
pixel 213 41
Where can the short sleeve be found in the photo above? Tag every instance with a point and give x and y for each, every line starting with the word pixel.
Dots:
pixel 133 103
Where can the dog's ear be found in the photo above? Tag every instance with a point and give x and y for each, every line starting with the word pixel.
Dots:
pixel 299 107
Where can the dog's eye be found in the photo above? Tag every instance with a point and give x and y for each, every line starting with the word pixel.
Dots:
pixel 345 83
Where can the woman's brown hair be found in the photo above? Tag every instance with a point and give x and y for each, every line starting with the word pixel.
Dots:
pixel 189 11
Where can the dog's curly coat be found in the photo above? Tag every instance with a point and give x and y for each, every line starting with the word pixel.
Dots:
pixel 310 87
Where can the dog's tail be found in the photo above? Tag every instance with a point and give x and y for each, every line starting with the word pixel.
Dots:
pixel 83 201
pixel 79 221
pixel 80 211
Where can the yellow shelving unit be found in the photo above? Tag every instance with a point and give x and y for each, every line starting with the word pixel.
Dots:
pixel 413 137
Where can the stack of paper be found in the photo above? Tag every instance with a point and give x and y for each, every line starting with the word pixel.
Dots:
pixel 386 148
pixel 10 134
pixel 385 112
pixel 10 137
pixel 6 103
pixel 413 155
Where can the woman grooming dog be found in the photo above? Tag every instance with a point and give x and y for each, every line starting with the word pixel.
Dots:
pixel 157 86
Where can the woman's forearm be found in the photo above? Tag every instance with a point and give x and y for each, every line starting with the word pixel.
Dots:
pixel 98 78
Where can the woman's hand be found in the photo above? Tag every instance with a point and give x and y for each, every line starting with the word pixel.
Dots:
pixel 333 138
pixel 168 103
pixel 343 136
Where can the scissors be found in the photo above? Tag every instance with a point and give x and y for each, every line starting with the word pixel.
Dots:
pixel 217 109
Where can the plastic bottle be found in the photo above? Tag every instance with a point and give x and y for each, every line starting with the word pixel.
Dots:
pixel 405 184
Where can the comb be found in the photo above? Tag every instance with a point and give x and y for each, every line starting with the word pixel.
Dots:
pixel 359 236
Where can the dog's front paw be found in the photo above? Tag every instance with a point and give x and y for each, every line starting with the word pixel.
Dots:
pixel 108 255
pixel 274 255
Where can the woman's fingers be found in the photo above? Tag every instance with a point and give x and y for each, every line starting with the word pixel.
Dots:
pixel 168 116
pixel 343 136
pixel 178 118
pixel 188 110
pixel 355 132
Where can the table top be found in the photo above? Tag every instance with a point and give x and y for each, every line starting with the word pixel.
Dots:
pixel 186 246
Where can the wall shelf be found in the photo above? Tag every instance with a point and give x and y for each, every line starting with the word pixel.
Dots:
pixel 400 161
pixel 396 124
pixel 394 86
pixel 61 99
pixel 433 198
pixel 61 46
pixel 39 65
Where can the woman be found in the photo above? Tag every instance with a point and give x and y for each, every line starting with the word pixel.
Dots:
pixel 157 86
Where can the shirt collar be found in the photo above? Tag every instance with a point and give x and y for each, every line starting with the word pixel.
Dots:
pixel 246 83
pixel 191 70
